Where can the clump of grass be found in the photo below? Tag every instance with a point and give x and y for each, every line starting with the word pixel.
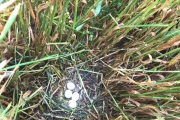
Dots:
pixel 134 44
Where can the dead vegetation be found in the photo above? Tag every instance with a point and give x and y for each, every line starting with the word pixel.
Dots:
pixel 133 45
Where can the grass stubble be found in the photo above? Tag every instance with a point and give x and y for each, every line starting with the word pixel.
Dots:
pixel 133 44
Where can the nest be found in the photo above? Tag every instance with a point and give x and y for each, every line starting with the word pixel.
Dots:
pixel 87 84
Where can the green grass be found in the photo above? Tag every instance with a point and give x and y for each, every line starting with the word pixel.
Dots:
pixel 134 44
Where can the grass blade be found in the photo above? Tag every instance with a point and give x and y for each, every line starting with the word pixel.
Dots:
pixel 10 22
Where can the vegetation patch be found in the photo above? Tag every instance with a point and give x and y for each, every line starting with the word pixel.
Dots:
pixel 121 58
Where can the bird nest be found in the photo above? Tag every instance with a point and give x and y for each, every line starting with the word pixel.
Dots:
pixel 88 104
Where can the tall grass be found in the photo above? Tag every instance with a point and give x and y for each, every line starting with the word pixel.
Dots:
pixel 136 43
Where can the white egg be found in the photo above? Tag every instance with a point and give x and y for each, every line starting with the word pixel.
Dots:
pixel 70 86
pixel 72 104
pixel 75 96
pixel 68 93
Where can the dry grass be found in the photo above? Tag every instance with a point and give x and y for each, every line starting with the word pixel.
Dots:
pixel 133 44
